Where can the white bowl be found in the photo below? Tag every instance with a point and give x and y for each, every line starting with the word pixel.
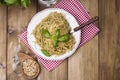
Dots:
pixel 37 19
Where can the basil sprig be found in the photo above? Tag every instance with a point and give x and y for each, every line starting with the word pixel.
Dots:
pixel 56 37
pixel 1 2
pixel 24 3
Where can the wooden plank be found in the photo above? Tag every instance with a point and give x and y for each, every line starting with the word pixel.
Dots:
pixel 18 19
pixel 3 34
pixel 60 73
pixel 109 12
pixel 83 65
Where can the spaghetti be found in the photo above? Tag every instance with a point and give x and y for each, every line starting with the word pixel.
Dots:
pixel 51 23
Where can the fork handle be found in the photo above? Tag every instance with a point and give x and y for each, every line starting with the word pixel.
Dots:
pixel 92 20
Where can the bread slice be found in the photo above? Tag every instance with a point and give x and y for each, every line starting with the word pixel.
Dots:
pixel 30 67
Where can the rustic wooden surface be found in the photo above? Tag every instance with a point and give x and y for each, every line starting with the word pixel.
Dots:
pixel 99 59
pixel 3 42
pixel 109 40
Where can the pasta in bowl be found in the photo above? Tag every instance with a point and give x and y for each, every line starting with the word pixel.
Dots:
pixel 49 34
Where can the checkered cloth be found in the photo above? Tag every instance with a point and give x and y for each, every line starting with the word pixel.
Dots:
pixel 87 33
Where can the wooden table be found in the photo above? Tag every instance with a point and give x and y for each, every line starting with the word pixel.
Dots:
pixel 99 59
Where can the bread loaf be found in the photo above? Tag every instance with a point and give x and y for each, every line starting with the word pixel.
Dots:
pixel 30 67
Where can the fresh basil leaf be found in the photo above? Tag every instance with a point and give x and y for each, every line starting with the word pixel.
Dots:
pixel 55 38
pixel 55 41
pixel 57 33
pixel 46 33
pixel 9 2
pixel 1 2
pixel 45 52
pixel 18 3
pixel 25 3
pixel 64 38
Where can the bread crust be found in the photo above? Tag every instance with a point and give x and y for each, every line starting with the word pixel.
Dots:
pixel 27 63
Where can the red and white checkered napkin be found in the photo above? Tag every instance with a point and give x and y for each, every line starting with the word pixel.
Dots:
pixel 78 11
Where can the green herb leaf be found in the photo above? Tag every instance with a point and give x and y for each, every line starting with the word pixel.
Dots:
pixel 1 2
pixel 25 3
pixel 55 38
pixel 57 33
pixel 46 33
pixel 18 3
pixel 55 41
pixel 64 38
pixel 9 2
pixel 45 52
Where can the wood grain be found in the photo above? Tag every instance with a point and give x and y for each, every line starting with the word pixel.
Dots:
pixel 18 19
pixel 3 33
pixel 109 39
pixel 83 65
pixel 99 59
pixel 60 73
